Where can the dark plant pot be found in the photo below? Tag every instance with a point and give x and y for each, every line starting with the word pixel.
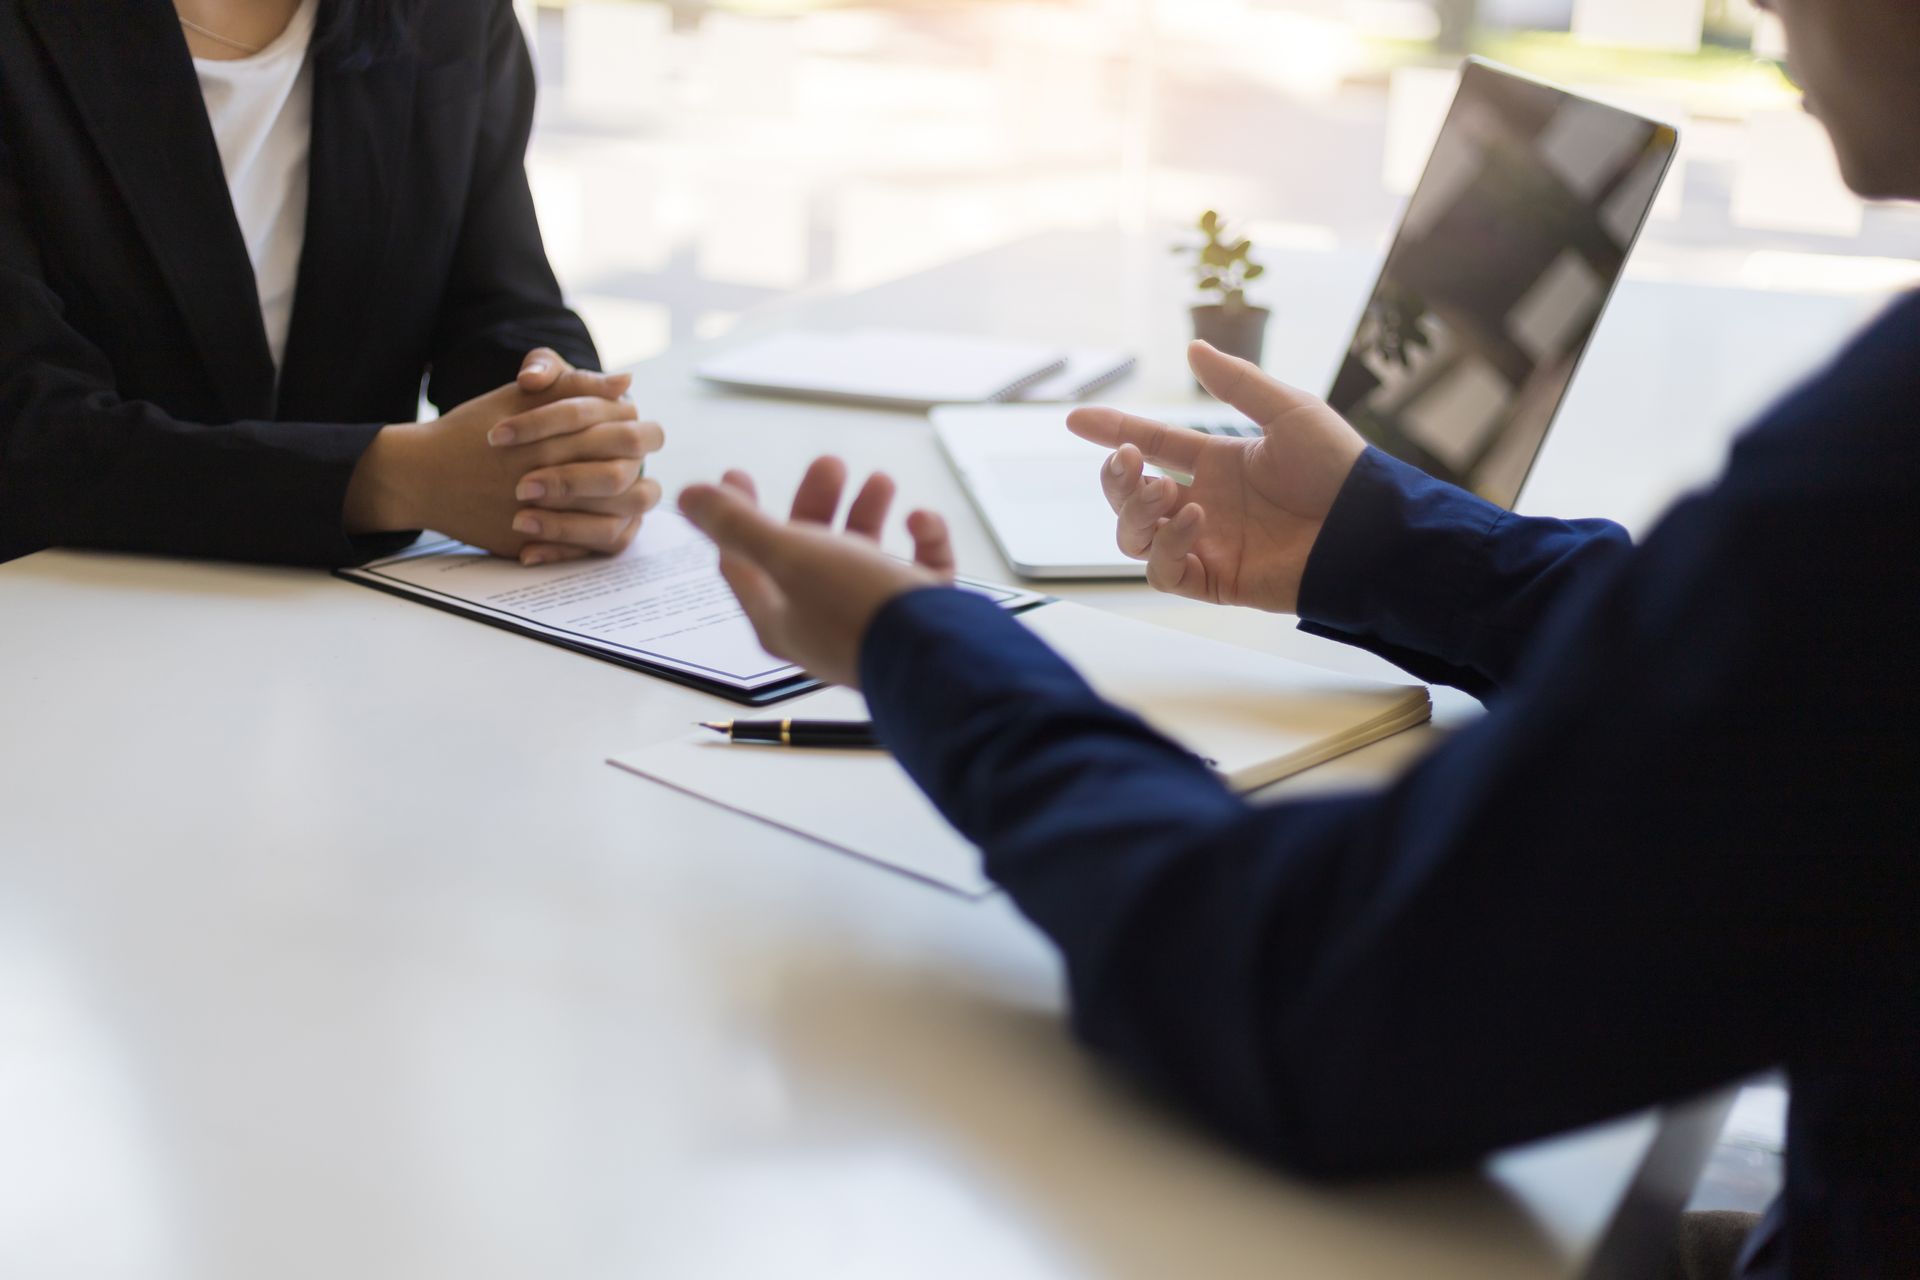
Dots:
pixel 1238 331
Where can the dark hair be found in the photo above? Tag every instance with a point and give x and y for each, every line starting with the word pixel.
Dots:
pixel 355 34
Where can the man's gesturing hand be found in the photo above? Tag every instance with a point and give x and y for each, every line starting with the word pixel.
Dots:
pixel 1241 532
pixel 811 593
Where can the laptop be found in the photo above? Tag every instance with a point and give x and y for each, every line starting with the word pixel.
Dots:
pixel 1505 257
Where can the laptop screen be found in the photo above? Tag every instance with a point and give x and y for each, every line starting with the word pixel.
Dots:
pixel 1508 251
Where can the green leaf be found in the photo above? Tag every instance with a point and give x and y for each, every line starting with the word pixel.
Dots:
pixel 1210 282
pixel 1255 271
pixel 1209 222
pixel 1215 256
pixel 1242 249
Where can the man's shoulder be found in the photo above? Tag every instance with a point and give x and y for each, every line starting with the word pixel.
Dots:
pixel 1811 525
pixel 1854 425
pixel 1875 378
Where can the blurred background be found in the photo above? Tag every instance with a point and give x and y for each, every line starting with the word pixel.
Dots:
pixel 694 159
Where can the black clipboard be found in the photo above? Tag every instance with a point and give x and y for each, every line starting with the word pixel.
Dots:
pixel 1015 600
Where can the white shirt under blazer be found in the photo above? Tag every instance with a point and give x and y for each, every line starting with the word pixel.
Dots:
pixel 261 109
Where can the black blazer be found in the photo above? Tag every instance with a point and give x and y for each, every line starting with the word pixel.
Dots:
pixel 138 406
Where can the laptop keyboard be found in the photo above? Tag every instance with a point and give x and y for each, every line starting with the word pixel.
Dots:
pixel 1210 420
pixel 1236 430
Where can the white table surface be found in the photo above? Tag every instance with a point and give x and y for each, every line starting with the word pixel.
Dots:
pixel 329 946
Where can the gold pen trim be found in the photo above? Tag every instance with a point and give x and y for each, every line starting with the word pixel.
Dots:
pixel 786 733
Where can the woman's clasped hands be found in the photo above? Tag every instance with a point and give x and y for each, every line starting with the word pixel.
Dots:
pixel 550 467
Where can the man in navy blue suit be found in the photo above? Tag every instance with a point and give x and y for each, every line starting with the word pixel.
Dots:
pixel 1682 846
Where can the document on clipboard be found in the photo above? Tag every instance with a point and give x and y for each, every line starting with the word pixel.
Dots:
pixel 660 607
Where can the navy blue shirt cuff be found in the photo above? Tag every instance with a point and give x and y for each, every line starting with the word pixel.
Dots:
pixel 1394 565
pixel 931 652
pixel 988 720
pixel 1440 582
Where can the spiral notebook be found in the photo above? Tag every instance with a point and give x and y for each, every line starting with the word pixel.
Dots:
pixel 889 367
pixel 1087 370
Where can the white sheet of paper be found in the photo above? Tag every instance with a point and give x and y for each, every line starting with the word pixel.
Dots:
pixel 663 600
pixel 1254 717
pixel 858 802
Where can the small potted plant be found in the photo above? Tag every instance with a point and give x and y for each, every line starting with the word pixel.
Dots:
pixel 1223 267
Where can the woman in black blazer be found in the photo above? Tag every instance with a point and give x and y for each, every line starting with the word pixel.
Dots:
pixel 140 404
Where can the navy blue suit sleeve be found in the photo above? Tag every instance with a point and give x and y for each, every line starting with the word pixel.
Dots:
pixel 1441 583
pixel 1612 856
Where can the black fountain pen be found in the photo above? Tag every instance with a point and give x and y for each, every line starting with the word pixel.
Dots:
pixel 797 733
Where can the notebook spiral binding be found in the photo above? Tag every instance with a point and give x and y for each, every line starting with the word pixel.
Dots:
pixel 1092 385
pixel 1032 379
